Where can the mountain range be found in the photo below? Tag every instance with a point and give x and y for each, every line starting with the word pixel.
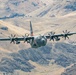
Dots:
pixel 56 58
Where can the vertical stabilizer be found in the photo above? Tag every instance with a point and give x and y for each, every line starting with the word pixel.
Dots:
pixel 31 30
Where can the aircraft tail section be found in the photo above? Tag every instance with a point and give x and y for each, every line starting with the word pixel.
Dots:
pixel 31 30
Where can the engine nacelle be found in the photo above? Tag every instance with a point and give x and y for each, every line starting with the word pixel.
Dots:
pixel 17 42
pixel 57 39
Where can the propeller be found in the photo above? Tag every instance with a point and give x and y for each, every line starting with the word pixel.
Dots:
pixel 66 34
pixel 25 36
pixel 12 38
pixel 51 35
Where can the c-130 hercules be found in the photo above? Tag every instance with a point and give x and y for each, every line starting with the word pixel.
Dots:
pixel 37 41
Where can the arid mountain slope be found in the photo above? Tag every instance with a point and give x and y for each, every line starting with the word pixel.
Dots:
pixel 50 59
pixel 12 8
pixel 46 16
pixel 55 9
pixel 70 71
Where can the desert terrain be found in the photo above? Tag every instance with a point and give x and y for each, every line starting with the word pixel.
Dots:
pixel 56 58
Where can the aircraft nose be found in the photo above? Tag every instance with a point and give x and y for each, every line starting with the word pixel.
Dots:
pixel 43 41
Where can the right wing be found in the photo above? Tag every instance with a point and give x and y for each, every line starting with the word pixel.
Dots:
pixel 16 39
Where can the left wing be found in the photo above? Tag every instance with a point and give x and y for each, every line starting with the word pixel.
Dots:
pixel 53 36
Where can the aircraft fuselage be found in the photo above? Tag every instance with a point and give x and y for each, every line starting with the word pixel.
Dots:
pixel 38 41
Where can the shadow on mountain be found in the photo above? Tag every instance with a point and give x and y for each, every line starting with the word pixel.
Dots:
pixel 70 71
pixel 71 6
pixel 12 16
pixel 63 54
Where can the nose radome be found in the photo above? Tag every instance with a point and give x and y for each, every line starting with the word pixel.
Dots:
pixel 43 41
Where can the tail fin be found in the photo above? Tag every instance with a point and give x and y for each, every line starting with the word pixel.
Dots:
pixel 31 30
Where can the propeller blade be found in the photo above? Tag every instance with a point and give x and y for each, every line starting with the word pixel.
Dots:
pixel 53 39
pixel 66 32
pixel 11 35
pixel 26 35
pixel 12 38
pixel 14 35
pixel 67 37
pixel 51 34
pixel 13 42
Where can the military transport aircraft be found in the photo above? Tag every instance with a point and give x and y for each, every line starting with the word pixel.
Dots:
pixel 37 41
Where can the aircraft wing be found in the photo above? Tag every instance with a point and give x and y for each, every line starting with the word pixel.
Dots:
pixel 65 35
pixel 16 39
pixel 59 35
pixel 4 39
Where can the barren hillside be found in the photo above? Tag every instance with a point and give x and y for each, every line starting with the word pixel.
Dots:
pixel 46 16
